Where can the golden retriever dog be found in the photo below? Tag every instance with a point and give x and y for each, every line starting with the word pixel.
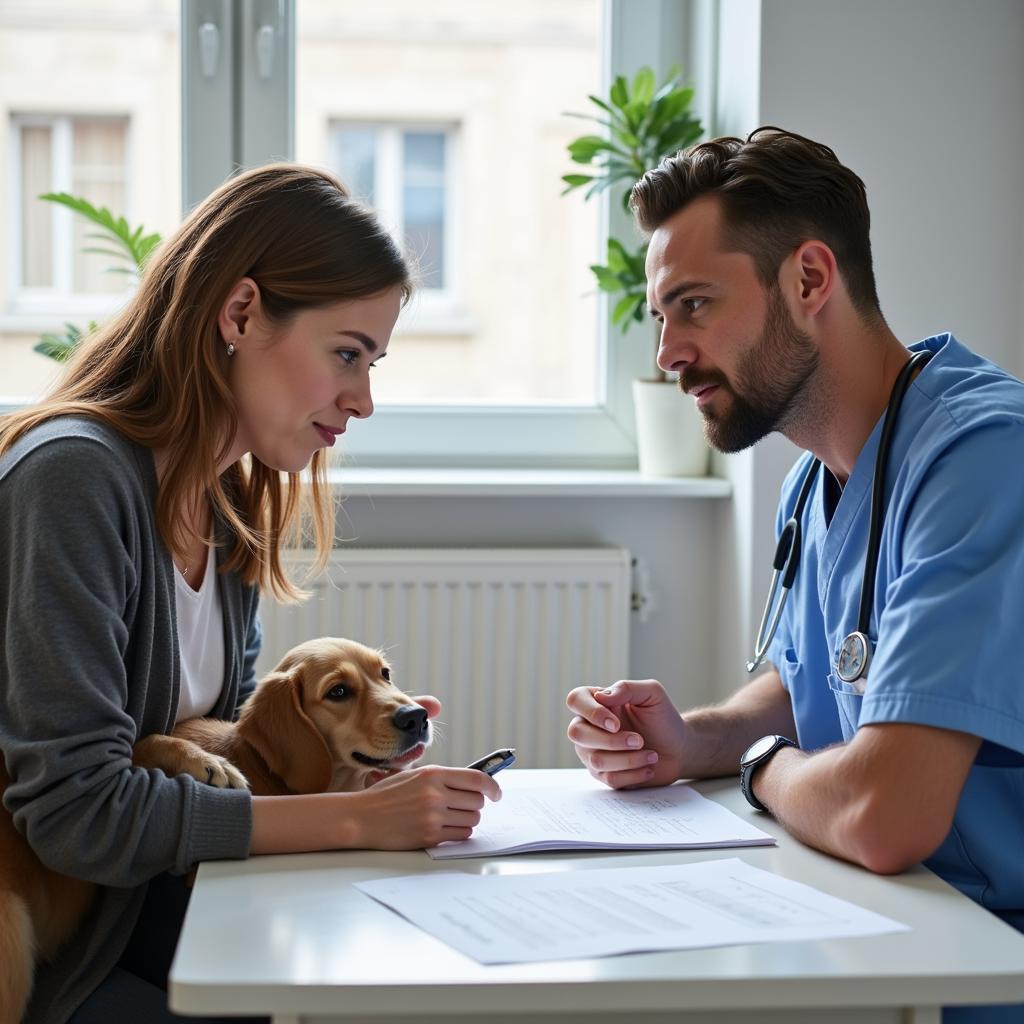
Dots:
pixel 327 719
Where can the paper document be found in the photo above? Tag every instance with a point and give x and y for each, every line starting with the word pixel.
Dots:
pixel 498 919
pixel 593 817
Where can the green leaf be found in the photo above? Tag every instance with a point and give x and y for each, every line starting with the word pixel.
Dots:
pixel 620 92
pixel 638 263
pixel 145 246
pixel 100 251
pixel 627 308
pixel 618 258
pixel 116 229
pixel 643 86
pixel 590 117
pixel 669 86
pixel 60 346
pixel 575 181
pixel 669 108
pixel 616 116
pixel 607 281
pixel 586 147
pixel 677 135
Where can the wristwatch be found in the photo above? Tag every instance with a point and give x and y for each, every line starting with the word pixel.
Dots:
pixel 752 758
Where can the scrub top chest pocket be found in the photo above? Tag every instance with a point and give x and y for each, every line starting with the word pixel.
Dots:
pixel 849 697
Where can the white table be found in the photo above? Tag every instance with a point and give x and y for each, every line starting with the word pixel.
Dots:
pixel 290 937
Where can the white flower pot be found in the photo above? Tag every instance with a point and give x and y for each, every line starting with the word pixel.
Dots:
pixel 669 430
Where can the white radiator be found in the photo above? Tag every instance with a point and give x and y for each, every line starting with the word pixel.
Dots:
pixel 498 635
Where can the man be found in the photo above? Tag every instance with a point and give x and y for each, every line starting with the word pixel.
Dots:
pixel 759 271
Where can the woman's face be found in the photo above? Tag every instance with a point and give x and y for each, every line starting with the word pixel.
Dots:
pixel 297 386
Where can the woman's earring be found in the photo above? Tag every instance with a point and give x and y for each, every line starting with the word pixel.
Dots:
pixel 231 348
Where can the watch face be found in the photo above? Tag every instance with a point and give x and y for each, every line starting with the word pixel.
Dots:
pixel 757 749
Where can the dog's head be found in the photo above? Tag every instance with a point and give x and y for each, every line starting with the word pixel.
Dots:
pixel 328 717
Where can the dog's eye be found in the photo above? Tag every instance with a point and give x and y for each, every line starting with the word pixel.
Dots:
pixel 338 692
pixel 386 673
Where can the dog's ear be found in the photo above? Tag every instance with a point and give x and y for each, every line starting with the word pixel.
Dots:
pixel 273 721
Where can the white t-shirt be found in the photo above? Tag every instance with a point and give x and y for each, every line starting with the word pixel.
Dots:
pixel 200 642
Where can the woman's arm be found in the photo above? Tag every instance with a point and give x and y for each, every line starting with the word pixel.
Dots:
pixel 410 810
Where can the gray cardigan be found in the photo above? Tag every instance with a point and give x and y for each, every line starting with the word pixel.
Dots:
pixel 88 664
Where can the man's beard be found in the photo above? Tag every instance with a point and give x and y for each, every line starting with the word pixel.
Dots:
pixel 769 380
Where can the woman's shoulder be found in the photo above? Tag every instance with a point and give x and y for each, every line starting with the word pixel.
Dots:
pixel 76 450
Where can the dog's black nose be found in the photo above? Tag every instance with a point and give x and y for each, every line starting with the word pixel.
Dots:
pixel 411 719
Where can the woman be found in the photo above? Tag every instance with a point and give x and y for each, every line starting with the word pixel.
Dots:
pixel 143 505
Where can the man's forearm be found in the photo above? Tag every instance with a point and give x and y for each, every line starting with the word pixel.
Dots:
pixel 810 796
pixel 717 736
pixel 884 800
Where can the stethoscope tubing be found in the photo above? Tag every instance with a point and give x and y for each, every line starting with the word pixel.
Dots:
pixel 787 551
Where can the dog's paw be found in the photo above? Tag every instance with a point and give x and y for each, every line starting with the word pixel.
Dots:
pixel 215 771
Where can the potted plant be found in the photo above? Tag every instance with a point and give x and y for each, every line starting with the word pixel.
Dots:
pixel 129 247
pixel 643 122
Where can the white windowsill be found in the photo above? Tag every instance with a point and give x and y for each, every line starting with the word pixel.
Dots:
pixel 521 483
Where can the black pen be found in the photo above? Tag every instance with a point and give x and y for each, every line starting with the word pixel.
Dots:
pixel 495 761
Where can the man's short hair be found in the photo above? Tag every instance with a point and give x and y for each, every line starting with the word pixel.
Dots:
pixel 777 190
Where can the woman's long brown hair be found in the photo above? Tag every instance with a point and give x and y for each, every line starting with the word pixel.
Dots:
pixel 157 372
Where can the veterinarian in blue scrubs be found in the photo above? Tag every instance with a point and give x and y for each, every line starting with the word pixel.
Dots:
pixel 889 727
pixel 143 505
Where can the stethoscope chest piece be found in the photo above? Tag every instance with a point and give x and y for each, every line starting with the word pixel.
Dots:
pixel 854 656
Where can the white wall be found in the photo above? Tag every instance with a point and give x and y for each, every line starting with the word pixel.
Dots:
pixel 925 100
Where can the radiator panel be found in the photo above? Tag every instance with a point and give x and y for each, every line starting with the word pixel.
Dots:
pixel 498 635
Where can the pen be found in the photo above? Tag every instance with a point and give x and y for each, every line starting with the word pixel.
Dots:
pixel 495 761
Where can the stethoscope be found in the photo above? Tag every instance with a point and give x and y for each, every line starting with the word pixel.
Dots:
pixel 855 651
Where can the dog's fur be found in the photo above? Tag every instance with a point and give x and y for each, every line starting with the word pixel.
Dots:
pixel 323 720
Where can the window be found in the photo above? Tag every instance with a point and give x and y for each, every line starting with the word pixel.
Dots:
pixel 90 104
pixel 85 156
pixel 405 173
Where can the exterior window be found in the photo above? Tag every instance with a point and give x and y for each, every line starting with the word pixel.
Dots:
pixel 403 171
pixel 86 156
pixel 91 105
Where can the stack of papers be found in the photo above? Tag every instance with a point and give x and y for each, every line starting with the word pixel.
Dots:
pixel 593 817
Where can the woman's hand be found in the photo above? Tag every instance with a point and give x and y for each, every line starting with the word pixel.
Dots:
pixel 420 807
pixel 627 735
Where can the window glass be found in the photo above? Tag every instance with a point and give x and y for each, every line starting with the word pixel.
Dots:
pixel 355 156
pixel 423 203
pixel 36 218
pixel 449 117
pixel 97 173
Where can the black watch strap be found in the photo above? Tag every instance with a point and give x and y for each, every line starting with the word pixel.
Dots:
pixel 758 753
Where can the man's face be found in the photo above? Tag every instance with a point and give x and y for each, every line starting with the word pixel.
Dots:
pixel 731 340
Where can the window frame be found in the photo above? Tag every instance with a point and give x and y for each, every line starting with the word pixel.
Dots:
pixel 601 435
pixel 28 299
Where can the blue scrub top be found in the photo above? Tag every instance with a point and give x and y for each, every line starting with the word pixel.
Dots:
pixel 948 612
